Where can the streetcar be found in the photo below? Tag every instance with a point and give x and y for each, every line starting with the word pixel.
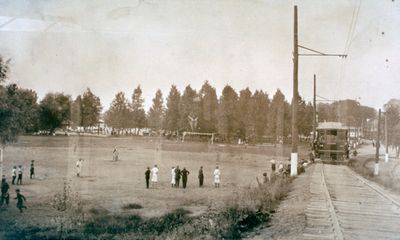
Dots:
pixel 332 143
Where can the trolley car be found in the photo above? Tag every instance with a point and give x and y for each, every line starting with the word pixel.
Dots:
pixel 332 142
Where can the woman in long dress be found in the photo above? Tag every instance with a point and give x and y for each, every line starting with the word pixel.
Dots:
pixel 217 177
pixel 154 175
pixel 173 177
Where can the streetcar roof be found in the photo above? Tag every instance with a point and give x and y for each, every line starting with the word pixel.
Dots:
pixel 331 125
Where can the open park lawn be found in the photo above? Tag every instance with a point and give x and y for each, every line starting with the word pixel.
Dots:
pixel 108 186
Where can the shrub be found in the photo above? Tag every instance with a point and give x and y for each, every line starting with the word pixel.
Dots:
pixel 132 206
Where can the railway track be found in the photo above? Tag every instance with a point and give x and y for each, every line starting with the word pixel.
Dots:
pixel 346 206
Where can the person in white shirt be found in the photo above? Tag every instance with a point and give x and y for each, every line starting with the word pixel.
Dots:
pixel 154 175
pixel 14 174
pixel 217 177
pixel 79 164
pixel 173 177
pixel 20 171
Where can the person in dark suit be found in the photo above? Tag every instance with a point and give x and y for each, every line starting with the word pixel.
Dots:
pixel 147 177
pixel 185 174
pixel 201 177
pixel 177 176
pixel 5 196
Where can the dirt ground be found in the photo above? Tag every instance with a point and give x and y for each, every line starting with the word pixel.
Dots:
pixel 389 172
pixel 109 185
pixel 289 220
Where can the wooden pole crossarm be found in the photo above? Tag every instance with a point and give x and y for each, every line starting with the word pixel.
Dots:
pixel 318 53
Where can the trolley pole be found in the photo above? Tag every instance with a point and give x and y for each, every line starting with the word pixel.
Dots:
pixel 378 143
pixel 386 140
pixel 314 110
pixel 294 155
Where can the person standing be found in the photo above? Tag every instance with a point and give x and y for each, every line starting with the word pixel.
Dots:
pixel 154 176
pixel 115 154
pixel 14 174
pixel 32 169
pixel 201 177
pixel 177 176
pixel 147 176
pixel 19 179
pixel 273 165
pixel 5 196
pixel 173 177
pixel 20 200
pixel 185 174
pixel 79 165
pixel 217 177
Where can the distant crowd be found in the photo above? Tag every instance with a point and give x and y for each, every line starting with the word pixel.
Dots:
pixel 178 175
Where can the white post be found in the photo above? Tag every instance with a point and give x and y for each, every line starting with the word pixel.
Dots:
pixel 376 169
pixel 293 164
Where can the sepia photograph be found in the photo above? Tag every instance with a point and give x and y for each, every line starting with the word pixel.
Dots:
pixel 199 119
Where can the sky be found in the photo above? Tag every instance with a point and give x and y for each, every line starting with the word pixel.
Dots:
pixel 112 46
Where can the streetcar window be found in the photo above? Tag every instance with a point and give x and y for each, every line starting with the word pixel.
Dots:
pixel 333 132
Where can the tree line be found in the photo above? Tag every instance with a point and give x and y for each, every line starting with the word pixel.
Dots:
pixel 251 116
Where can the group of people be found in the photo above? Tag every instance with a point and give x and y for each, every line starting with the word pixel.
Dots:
pixel 5 195
pixel 16 175
pixel 177 174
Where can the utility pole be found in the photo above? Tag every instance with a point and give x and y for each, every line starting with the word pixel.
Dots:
pixel 386 140
pixel 294 155
pixel 315 110
pixel 295 99
pixel 378 143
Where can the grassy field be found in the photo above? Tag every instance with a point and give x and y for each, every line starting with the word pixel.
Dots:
pixel 109 186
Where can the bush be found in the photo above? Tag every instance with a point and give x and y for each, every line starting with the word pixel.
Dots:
pixel 132 206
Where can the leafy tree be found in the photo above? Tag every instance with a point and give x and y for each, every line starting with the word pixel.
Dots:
pixel 90 109
pixel 392 112
pixel 55 111
pixel 227 113
pixel 189 105
pixel 119 115
pixel 209 106
pixel 156 112
pixel 138 113
pixel 4 68
pixel 18 111
pixel 172 114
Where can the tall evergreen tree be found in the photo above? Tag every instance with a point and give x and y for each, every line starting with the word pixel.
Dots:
pixel 138 113
pixel 119 115
pixel 305 118
pixel 188 106
pixel 76 115
pixel 277 116
pixel 172 114
pixel 227 113
pixel 259 115
pixel 209 106
pixel 156 112
pixel 244 108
